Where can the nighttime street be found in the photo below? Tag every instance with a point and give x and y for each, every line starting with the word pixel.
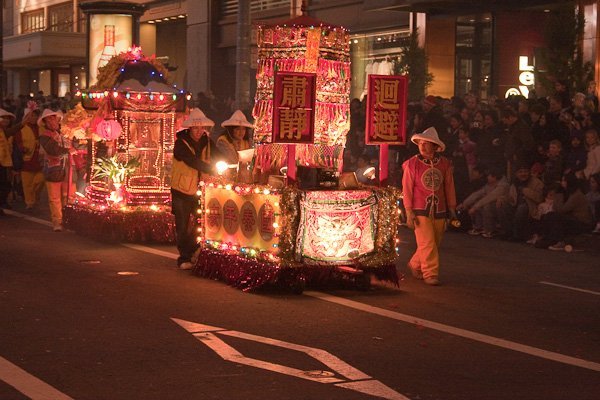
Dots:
pixel 508 321
pixel 300 199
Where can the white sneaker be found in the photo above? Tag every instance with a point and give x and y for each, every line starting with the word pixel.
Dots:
pixel 57 228
pixel 559 246
pixel 186 265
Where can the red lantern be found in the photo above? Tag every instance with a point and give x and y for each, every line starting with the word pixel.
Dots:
pixel 109 129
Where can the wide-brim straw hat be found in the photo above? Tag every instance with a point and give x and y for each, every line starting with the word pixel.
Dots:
pixel 429 135
pixel 47 113
pixel 4 113
pixel 197 118
pixel 237 119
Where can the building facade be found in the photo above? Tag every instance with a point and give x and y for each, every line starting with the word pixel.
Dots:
pixel 483 48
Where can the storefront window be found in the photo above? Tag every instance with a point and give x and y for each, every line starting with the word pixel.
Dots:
pixel 473 55
pixel 374 53
pixel 45 81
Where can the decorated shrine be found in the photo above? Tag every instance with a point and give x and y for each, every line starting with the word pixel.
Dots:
pixel 302 45
pixel 133 117
pixel 300 222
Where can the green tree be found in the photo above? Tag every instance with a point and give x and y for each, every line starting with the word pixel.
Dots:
pixel 413 63
pixel 562 59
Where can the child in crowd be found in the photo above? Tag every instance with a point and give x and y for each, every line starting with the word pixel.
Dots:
pixel 576 157
pixel 553 168
pixel 544 208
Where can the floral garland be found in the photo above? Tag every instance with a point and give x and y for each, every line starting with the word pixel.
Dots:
pixel 75 123
pixel 108 75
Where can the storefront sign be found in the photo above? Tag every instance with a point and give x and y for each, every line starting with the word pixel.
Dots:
pixel 294 108
pixel 110 34
pixel 526 79
pixel 386 109
pixel 247 220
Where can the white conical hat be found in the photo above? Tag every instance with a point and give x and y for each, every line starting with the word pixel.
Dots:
pixel 237 119
pixel 197 118
pixel 47 113
pixel 429 135
pixel 4 113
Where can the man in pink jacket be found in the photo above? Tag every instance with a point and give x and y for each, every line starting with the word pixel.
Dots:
pixel 429 199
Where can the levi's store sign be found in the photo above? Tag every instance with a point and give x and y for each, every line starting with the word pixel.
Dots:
pixel 526 79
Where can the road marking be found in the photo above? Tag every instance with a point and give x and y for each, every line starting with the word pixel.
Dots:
pixel 494 341
pixel 151 250
pixel 28 384
pixel 355 379
pixel 28 218
pixel 570 287
pixel 534 351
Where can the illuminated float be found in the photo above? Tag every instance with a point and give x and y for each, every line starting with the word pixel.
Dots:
pixel 133 117
pixel 301 222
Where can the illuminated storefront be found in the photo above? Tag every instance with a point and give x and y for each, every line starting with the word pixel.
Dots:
pixel 374 53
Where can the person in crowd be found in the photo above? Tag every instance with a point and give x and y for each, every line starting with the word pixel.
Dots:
pixel 236 138
pixel 544 208
pixel 56 161
pixel 482 205
pixel 554 165
pixel 592 95
pixel 571 216
pixel 6 163
pixel 520 205
pixel 519 145
pixel 489 143
pixel 28 142
pixel 556 128
pixel 523 110
pixel 365 172
pixel 538 126
pixel 193 157
pixel 577 104
pixel 593 196
pixel 561 89
pixel 433 115
pixel 450 138
pixel 463 160
pixel 429 198
pixel 576 156
pixel 592 164
pixel 585 119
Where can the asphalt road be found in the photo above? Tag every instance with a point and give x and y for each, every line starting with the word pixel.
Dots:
pixel 509 322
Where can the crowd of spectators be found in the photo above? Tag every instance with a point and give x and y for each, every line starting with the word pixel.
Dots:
pixel 525 170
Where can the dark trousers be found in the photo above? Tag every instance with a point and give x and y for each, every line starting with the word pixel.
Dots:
pixel 515 221
pixel 558 227
pixel 184 209
pixel 5 185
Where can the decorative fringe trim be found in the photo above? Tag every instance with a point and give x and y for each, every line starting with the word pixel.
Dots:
pixel 249 274
pixel 117 226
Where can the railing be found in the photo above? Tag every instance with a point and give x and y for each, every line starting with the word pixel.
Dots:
pixel 229 7
pixel 65 26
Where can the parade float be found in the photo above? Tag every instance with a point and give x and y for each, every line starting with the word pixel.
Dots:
pixel 130 117
pixel 302 222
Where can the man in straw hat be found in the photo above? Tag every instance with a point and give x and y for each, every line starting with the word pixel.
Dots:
pixel 56 161
pixel 429 199
pixel 191 159
pixel 235 138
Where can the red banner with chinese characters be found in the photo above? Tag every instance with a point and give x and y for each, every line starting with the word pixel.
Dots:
pixel 294 108
pixel 386 109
